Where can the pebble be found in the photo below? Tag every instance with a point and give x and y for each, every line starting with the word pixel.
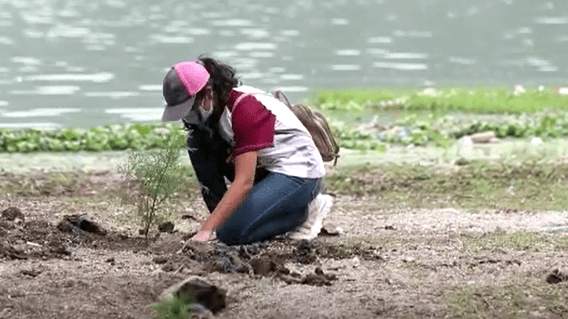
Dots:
pixel 355 262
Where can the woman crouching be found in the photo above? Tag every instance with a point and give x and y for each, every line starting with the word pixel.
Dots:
pixel 246 137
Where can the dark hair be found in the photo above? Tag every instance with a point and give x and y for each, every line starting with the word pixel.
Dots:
pixel 222 81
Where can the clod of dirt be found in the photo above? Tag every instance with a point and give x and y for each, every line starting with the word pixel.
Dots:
pixel 72 223
pixel 318 278
pixel 557 275
pixel 166 227
pixel 203 294
pixel 32 272
pixel 59 249
pixel 304 255
pixel 262 265
pixel 160 260
pixel 12 213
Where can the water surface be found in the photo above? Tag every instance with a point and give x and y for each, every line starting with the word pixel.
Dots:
pixel 73 63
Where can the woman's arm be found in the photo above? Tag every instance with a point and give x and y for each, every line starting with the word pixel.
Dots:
pixel 245 167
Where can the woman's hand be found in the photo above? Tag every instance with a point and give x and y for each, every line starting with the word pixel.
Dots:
pixel 202 235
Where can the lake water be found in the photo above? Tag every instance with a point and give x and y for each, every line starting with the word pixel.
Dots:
pixel 73 63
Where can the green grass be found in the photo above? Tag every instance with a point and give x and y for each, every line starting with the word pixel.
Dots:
pixel 527 297
pixel 480 185
pixel 178 307
pixel 517 241
pixel 474 100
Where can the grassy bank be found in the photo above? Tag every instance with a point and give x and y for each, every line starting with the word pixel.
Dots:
pixel 501 185
pixel 530 185
pixel 473 100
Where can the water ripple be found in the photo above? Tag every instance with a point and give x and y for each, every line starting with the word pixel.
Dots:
pixel 33 125
pixel 150 87
pixel 463 61
pixel 112 95
pixel 551 20
pixel 6 41
pixel 40 112
pixel 348 52
pixel 380 40
pixel 95 77
pixel 138 114
pixel 291 77
pixel 249 46
pixel 340 21
pixel 413 34
pixel 401 66
pixel 345 67
pixel 232 23
pixel 291 88
pixel 166 39
pixel 405 56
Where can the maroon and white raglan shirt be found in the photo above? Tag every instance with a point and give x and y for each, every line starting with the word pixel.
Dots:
pixel 256 121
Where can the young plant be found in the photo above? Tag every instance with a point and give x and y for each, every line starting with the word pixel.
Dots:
pixel 178 307
pixel 158 174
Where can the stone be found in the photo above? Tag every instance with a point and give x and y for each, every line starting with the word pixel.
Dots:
pixel 166 227
pixel 12 213
pixel 331 229
pixel 160 260
pixel 484 137
pixel 80 222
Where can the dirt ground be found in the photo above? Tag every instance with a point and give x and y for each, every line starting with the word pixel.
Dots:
pixel 386 263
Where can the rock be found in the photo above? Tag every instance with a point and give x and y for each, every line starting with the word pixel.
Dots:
pixel 166 227
pixel 462 162
pixel 70 223
pixel 331 229
pixel 12 213
pixel 160 260
pixel 204 296
pixel 536 141
pixel 484 137
pixel 561 90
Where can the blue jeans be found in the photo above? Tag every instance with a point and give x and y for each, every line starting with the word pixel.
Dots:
pixel 276 204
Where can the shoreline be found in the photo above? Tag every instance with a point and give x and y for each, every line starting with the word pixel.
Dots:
pixel 508 150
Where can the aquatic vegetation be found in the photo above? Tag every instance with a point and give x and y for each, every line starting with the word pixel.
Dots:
pixel 110 137
pixel 475 100
pixel 526 119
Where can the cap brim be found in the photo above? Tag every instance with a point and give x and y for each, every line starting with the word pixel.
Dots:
pixel 177 112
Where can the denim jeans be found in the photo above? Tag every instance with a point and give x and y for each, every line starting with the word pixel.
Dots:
pixel 276 204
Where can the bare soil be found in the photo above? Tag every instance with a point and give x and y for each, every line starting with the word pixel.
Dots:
pixel 387 263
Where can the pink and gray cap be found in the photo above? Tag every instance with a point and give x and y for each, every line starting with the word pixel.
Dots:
pixel 181 84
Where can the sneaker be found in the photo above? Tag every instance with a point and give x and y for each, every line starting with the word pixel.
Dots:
pixel 318 209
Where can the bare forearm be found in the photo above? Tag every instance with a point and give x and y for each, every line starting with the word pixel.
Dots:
pixel 233 198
